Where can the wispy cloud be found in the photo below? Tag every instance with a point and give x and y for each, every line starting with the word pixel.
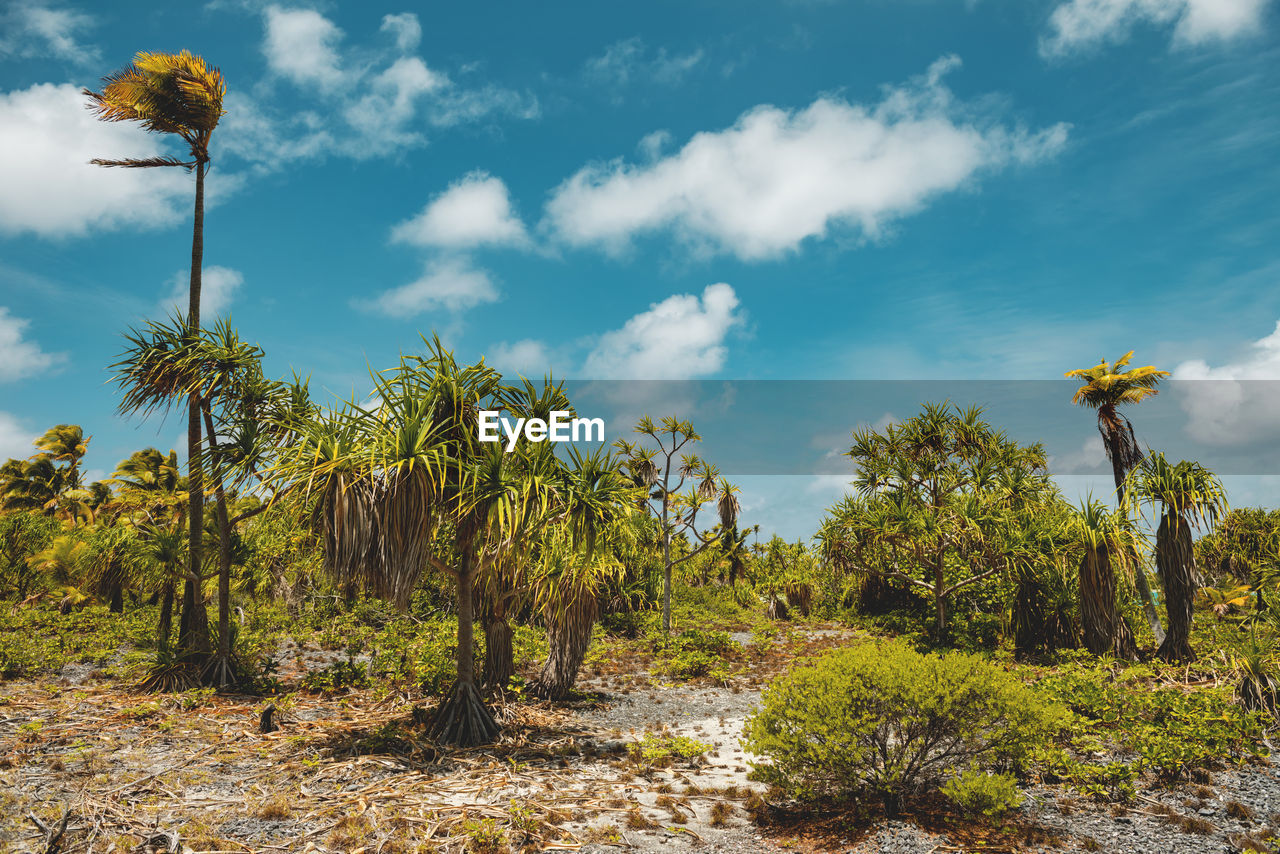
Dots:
pixel 1084 24
pixel 777 177
pixel 34 30
pixel 21 358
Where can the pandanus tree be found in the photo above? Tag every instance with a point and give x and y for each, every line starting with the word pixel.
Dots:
pixel 1107 544
pixel 663 473
pixel 170 361
pixel 1187 496
pixel 175 94
pixel 931 508
pixel 387 478
pixel 1106 387
pixel 592 525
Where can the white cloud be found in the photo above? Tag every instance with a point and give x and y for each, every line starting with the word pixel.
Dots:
pixel 301 45
pixel 475 211
pixel 629 61
pixel 679 338
pixel 20 358
pixel 450 283
pixel 15 439
pixel 527 357
pixel 49 188
pixel 218 286
pixel 1081 24
pixel 32 31
pixel 1238 402
pixel 359 102
pixel 405 28
pixel 778 177
pixel 1090 458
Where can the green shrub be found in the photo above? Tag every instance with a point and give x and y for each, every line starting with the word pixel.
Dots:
pixel 980 793
pixel 883 719
pixel 338 676
pixel 662 749
pixel 692 653
pixel 1172 731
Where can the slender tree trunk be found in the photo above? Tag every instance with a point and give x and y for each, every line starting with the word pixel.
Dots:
pixel 1105 631
pixel 666 572
pixel 166 617
pixel 222 675
pixel 569 636
pixel 939 596
pixel 1115 442
pixel 462 719
pixel 1176 562
pixel 499 656
pixel 193 631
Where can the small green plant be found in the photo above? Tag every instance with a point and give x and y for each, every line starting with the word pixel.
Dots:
pixel 338 676
pixel 484 837
pixel 884 720
pixel 662 749
pixel 981 793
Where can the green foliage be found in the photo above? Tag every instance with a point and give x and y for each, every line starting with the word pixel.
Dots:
pixel 1170 730
pixel 662 749
pixel 692 654
pixel 339 676
pixel 38 640
pixel 882 719
pixel 980 793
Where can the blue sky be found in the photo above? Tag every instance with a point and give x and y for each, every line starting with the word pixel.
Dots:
pixel 920 189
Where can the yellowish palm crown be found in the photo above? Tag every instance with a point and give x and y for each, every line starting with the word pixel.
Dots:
pixel 1108 385
pixel 165 93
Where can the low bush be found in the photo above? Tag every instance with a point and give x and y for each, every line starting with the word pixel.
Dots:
pixel 881 719
pixel 1172 732
pixel 980 793
pixel 662 749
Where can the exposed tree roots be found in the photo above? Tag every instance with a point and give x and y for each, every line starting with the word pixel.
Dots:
pixel 463 720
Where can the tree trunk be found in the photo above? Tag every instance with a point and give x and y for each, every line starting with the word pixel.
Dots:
pixel 222 673
pixel 666 572
pixel 569 635
pixel 115 592
pixel 1176 562
pixel 939 597
pixel 1105 632
pixel 1122 451
pixel 193 629
pixel 463 720
pixel 499 657
pixel 166 618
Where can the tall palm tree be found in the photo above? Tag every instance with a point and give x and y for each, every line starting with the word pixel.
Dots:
pixel 1106 387
pixel 177 94
pixel 1107 541
pixel 1189 495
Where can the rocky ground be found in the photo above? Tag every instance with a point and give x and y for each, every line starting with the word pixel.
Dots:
pixel 353 773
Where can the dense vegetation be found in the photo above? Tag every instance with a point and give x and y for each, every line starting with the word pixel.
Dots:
pixel 1004 636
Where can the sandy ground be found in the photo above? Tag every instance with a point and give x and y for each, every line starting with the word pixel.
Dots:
pixel 353 773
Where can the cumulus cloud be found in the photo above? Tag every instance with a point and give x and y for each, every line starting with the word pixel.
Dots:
pixel 777 177
pixel 218 286
pixel 527 357
pixel 49 188
pixel 19 357
pixel 1082 24
pixel 32 30
pixel 679 338
pixel 15 438
pixel 302 46
pixel 629 61
pixel 1091 457
pixel 405 28
pixel 449 283
pixel 359 102
pixel 1236 403
pixel 475 211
